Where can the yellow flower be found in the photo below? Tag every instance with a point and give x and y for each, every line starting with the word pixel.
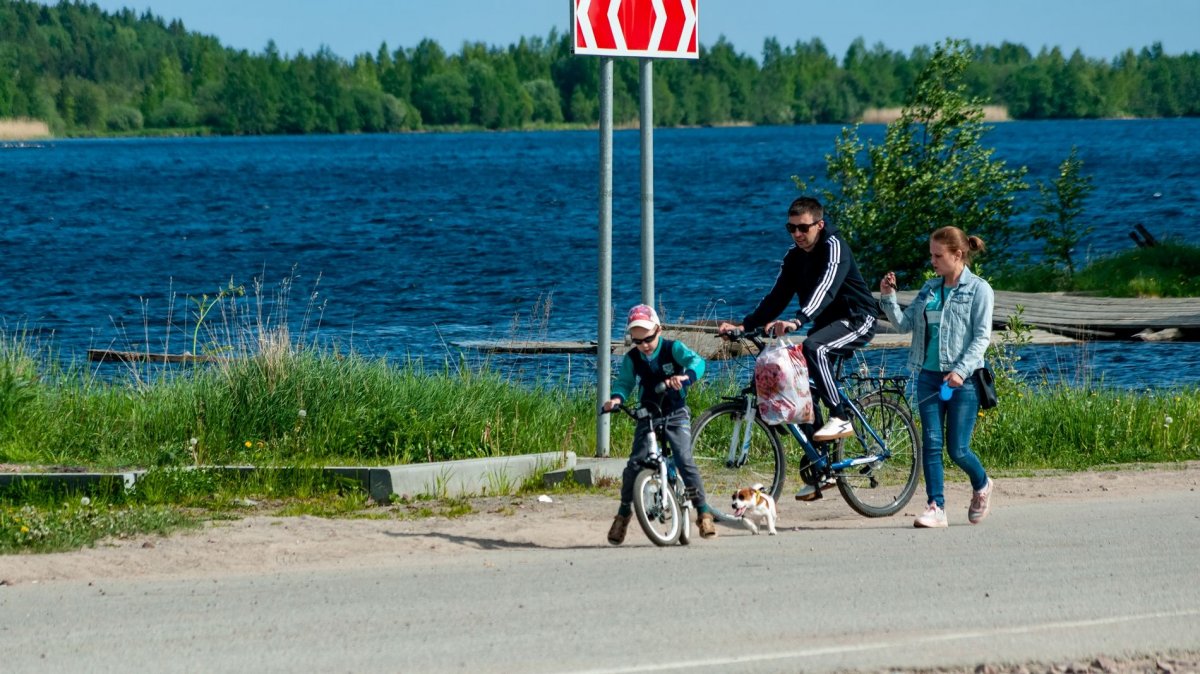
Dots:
pixel 248 444
pixel 24 529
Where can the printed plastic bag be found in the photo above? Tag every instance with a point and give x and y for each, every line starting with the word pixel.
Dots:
pixel 781 380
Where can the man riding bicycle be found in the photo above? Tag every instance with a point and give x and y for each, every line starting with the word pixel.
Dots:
pixel 834 299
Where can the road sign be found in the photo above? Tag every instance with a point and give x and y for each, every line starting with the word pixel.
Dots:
pixel 645 28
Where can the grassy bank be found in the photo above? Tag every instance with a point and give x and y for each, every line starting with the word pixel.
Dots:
pixel 287 405
pixel 291 407
pixel 1170 269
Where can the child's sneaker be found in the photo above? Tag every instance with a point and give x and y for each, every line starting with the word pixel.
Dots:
pixel 616 533
pixel 933 518
pixel 706 526
pixel 980 503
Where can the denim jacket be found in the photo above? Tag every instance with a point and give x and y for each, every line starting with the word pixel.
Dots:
pixel 966 328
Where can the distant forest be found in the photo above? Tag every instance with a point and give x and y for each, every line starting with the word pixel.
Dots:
pixel 85 71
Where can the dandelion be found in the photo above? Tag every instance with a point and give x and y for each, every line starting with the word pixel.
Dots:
pixel 302 414
pixel 1167 422
pixel 194 441
pixel 85 501
pixel 249 444
pixel 24 529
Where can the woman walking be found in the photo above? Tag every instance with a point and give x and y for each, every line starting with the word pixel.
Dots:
pixel 951 323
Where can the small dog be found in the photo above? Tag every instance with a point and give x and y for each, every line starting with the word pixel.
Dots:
pixel 751 505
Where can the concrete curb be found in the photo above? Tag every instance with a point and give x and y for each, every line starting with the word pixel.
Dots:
pixel 469 477
pixel 589 472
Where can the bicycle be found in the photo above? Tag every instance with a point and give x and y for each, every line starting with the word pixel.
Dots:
pixel 876 470
pixel 662 503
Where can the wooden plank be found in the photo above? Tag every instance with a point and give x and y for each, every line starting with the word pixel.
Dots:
pixel 1118 315
pixel 110 356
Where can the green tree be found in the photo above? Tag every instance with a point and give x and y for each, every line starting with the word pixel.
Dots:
pixel 931 170
pixel 444 98
pixel 1061 203
pixel 547 105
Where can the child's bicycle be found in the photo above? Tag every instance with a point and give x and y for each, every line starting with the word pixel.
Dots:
pixel 876 470
pixel 662 503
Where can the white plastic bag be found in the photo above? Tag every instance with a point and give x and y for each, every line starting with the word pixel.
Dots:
pixel 781 380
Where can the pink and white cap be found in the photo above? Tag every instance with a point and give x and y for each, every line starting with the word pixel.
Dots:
pixel 642 316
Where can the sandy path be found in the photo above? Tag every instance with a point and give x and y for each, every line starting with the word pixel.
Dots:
pixel 259 544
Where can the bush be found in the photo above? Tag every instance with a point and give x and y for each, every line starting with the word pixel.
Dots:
pixel 174 113
pixel 123 118
pixel 932 170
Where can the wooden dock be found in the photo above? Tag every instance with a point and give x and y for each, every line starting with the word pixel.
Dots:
pixel 111 356
pixel 1096 318
pixel 1054 318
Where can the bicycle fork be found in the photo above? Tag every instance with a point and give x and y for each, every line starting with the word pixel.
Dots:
pixel 739 440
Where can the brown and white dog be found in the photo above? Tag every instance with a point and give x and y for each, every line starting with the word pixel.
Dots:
pixel 754 507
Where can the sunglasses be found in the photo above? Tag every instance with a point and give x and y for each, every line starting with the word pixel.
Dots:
pixel 803 227
pixel 644 340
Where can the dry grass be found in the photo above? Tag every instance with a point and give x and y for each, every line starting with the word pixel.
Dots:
pixel 23 129
pixel 991 113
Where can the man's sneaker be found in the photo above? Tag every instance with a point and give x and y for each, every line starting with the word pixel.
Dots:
pixel 833 429
pixel 705 523
pixel 933 518
pixel 810 492
pixel 616 533
pixel 980 503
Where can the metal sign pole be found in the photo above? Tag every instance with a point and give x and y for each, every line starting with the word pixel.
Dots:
pixel 647 132
pixel 604 324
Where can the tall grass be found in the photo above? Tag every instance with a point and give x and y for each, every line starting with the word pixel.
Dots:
pixel 258 395
pixel 282 406
pixel 273 399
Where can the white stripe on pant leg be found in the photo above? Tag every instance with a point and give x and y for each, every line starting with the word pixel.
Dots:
pixel 823 358
pixel 827 381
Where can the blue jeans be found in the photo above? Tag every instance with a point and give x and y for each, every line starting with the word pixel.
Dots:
pixel 679 437
pixel 950 422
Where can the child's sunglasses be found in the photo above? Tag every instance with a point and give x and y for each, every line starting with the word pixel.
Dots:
pixel 645 340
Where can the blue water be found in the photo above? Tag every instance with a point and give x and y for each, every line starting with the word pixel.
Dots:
pixel 404 245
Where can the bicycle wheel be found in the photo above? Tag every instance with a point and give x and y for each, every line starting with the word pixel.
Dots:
pixel 685 522
pixel 656 508
pixel 713 435
pixel 885 486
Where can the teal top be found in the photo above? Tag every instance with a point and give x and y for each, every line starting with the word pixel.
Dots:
pixel 933 328
pixel 681 360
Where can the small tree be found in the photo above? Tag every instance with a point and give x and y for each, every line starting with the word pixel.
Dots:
pixel 932 170
pixel 1061 204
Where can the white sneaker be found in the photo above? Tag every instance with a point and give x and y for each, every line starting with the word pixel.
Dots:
pixel 833 429
pixel 980 504
pixel 933 518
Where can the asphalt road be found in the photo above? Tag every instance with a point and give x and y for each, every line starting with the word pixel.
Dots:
pixel 1038 581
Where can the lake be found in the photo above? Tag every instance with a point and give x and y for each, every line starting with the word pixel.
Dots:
pixel 404 245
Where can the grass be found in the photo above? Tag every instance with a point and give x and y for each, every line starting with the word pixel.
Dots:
pixel 1169 269
pixel 46 526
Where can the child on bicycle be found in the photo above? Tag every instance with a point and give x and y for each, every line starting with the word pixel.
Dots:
pixel 654 360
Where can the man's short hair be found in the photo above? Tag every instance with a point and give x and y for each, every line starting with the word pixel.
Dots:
pixel 806 206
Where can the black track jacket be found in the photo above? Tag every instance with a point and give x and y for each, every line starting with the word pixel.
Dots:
pixel 827 281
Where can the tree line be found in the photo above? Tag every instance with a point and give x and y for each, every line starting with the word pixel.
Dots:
pixel 86 71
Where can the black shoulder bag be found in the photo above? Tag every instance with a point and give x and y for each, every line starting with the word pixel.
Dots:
pixel 985 385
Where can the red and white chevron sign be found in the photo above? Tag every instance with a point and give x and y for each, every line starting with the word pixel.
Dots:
pixel 646 28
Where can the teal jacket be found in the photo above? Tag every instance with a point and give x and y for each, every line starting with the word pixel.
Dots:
pixel 966 328
pixel 669 358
